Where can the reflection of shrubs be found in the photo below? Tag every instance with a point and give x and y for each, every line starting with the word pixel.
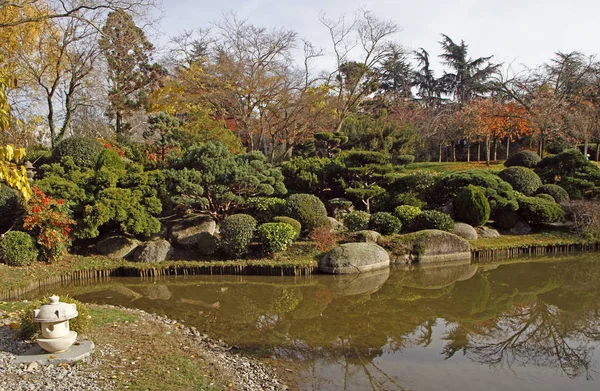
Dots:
pixel 18 249
pixel 523 159
pixel 432 219
pixel 559 194
pixel 28 329
pixel 471 206
pixel 308 210
pixel 237 232
pixel 407 215
pixel 385 223
pixel 83 150
pixel 293 222
pixel 522 179
pixel 536 210
pixel 276 237
pixel 585 216
pixel 357 220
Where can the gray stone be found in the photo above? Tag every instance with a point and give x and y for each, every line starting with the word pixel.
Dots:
pixel 340 207
pixel 207 244
pixel 465 231
pixel 430 245
pixel 335 225
pixel 153 251
pixel 366 236
pixel 352 258
pixel 521 228
pixel 39 356
pixel 485 232
pixel 186 232
pixel 117 246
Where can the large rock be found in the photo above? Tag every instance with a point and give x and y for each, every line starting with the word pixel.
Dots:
pixel 485 232
pixel 340 207
pixel 335 225
pixel 352 258
pixel 117 246
pixel 465 231
pixel 521 228
pixel 366 236
pixel 207 244
pixel 427 246
pixel 188 231
pixel 153 251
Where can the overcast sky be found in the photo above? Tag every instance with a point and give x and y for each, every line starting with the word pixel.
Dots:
pixel 513 31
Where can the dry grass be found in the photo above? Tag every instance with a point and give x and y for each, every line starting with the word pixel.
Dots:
pixel 555 238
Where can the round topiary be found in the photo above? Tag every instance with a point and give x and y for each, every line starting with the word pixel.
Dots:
pixel 471 206
pixel 527 159
pixel 432 219
pixel 522 179
pixel 263 209
pixel 293 222
pixel 83 150
pixel 28 329
pixel 559 194
pixel 276 237
pixel 110 160
pixel 237 232
pixel 407 215
pixel 18 249
pixel 10 207
pixel 506 220
pixel 535 210
pixel 308 209
pixel 385 223
pixel 357 220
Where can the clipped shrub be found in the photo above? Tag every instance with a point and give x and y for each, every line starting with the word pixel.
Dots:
pixel 83 150
pixel 573 172
pixel 522 179
pixel 308 209
pixel 263 209
pixel 110 160
pixel 385 223
pixel 10 207
pixel 237 232
pixel 409 198
pixel 18 249
pixel 276 237
pixel 407 215
pixel 433 219
pixel 28 329
pixel 535 210
pixel 506 220
pixel 357 220
pixel 547 197
pixel 471 206
pixel 293 222
pixel 403 160
pixel 559 194
pixel 527 159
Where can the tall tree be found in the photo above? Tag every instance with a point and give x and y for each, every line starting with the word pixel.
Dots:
pixel 428 87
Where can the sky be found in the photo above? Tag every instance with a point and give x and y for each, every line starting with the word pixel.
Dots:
pixel 515 32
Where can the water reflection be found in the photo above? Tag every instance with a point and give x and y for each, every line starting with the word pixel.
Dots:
pixel 518 326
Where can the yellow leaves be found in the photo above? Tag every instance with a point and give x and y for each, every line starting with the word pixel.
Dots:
pixel 11 173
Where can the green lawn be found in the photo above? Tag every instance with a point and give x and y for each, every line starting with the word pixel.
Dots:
pixel 445 167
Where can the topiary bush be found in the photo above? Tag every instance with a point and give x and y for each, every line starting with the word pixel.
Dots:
pixel 471 206
pixel 559 194
pixel 547 197
pixel 263 209
pixel 10 207
pixel 404 160
pixel 83 150
pixel 18 249
pixel 276 237
pixel 522 179
pixel 506 220
pixel 237 232
pixel 28 329
pixel 308 209
pixel 357 220
pixel 110 160
pixel 573 172
pixel 385 223
pixel 527 159
pixel 535 210
pixel 293 222
pixel 407 215
pixel 433 219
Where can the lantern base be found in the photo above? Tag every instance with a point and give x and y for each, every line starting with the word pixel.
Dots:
pixel 56 345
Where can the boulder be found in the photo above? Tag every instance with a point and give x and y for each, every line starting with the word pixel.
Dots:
pixel 485 232
pixel 352 258
pixel 465 231
pixel 117 246
pixel 207 244
pixel 153 251
pixel 366 236
pixel 340 207
pixel 186 232
pixel 335 225
pixel 427 246
pixel 521 228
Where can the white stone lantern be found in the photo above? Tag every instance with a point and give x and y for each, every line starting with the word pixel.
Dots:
pixel 54 317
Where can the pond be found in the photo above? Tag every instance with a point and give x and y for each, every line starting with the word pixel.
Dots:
pixel 526 325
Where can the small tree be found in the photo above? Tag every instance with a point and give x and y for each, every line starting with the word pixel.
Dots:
pixel 365 171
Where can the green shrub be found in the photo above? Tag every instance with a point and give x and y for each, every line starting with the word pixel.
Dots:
pixel 18 249
pixel 407 215
pixel 308 209
pixel 432 219
pixel 536 210
pixel 83 150
pixel 547 197
pixel 522 179
pixel 403 160
pixel 357 220
pixel 110 160
pixel 28 329
pixel 471 206
pixel 573 172
pixel 409 198
pixel 263 209
pixel 276 237
pixel 559 194
pixel 293 222
pixel 385 223
pixel 237 232
pixel 527 159
pixel 506 220
pixel 10 207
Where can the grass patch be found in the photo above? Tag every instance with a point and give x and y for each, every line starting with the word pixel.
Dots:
pixel 101 316
pixel 445 167
pixel 555 238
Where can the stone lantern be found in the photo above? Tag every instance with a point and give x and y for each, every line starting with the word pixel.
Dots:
pixel 54 318
pixel 30 170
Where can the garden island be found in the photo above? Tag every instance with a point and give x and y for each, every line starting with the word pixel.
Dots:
pixel 227 215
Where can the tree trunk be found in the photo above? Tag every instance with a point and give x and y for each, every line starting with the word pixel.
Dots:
pixel 507 147
pixel 487 150
pixel 119 124
pixel 479 151
pixel 598 151
pixel 440 153
pixel 468 153
pixel 453 152
pixel 495 149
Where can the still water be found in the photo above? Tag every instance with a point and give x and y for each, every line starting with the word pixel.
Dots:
pixel 518 326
